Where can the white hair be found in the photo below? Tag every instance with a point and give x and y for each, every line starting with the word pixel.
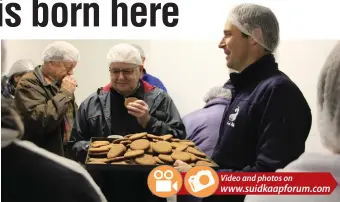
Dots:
pixel 217 92
pixel 329 101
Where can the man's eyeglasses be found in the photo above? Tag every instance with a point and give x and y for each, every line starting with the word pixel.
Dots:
pixel 125 71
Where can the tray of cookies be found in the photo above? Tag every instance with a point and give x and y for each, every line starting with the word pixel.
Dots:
pixel 143 151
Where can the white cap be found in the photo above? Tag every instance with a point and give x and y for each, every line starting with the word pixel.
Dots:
pixel 60 51
pixel 21 66
pixel 124 53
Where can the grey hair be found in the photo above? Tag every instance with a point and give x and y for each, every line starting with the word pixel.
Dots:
pixel 217 92
pixel 140 49
pixel 329 101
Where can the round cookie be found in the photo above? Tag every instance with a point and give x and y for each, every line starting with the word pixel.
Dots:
pixel 115 159
pixel 202 159
pixel 196 152
pixel 203 163
pixel 181 147
pixel 146 160
pixel 193 157
pixel 98 160
pixel 116 150
pixel 162 147
pixel 174 144
pixel 117 141
pixel 159 161
pixel 137 136
pixel 125 142
pixel 98 149
pixel 187 143
pixel 140 144
pixel 129 99
pixel 174 140
pixel 167 137
pixel 133 153
pixel 99 143
pixel 165 158
pixel 179 155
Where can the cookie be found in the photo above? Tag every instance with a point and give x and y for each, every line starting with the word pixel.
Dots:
pixel 181 147
pixel 150 150
pixel 174 144
pixel 120 163
pixel 127 136
pixel 98 149
pixel 174 140
pixel 190 143
pixel 203 163
pixel 125 142
pixel 159 161
pixel 162 147
pixel 165 158
pixel 156 140
pixel 133 153
pixel 109 146
pixel 151 136
pixel 193 157
pixel 202 159
pixel 129 99
pixel 115 159
pixel 140 144
pixel 179 155
pixel 116 150
pixel 97 160
pixel 196 152
pixel 99 143
pixel 166 137
pixel 117 141
pixel 146 160
pixel 137 136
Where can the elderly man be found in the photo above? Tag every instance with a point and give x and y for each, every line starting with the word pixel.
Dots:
pixel 268 121
pixel 328 121
pixel 9 82
pixel 106 112
pixel 45 98
pixel 146 76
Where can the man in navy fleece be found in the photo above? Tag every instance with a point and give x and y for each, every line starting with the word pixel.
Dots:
pixel 268 120
pixel 148 77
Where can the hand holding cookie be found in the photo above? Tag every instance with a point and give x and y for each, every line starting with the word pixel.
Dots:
pixel 182 166
pixel 140 110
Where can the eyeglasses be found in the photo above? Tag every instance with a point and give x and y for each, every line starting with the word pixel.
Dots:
pixel 125 71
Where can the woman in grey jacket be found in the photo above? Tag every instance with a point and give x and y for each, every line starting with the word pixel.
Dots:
pixel 329 127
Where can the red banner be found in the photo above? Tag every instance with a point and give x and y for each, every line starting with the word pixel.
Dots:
pixel 240 183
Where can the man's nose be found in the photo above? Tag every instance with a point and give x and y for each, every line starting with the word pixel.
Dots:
pixel 121 75
pixel 222 43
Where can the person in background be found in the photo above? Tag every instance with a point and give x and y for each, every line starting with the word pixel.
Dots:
pixel 34 172
pixel 10 81
pixel 105 113
pixel 202 126
pixel 45 98
pixel 148 77
pixel 268 120
pixel 328 102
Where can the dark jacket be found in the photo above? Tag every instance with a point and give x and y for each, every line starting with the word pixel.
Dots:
pixel 95 115
pixel 267 123
pixel 7 88
pixel 36 173
pixel 42 107
pixel 202 126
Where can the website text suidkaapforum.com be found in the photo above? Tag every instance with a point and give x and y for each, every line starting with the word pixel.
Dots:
pixel 263 188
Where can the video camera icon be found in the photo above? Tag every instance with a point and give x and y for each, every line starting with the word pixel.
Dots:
pixel 164 181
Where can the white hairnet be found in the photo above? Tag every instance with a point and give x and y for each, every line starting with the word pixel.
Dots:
pixel 21 66
pixel 217 92
pixel 60 51
pixel 329 101
pixel 124 53
pixel 140 49
pixel 257 21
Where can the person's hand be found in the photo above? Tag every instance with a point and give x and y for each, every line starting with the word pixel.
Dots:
pixel 69 84
pixel 182 166
pixel 140 110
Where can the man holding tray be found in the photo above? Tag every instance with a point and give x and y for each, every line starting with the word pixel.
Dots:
pixel 125 106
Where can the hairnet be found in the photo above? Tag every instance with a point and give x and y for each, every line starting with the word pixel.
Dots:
pixel 217 92
pixel 60 51
pixel 329 101
pixel 257 21
pixel 140 49
pixel 124 53
pixel 21 66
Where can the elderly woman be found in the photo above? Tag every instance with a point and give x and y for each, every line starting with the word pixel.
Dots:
pixel 329 127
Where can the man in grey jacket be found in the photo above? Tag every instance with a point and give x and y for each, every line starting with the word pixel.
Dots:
pixel 329 128
pixel 105 113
